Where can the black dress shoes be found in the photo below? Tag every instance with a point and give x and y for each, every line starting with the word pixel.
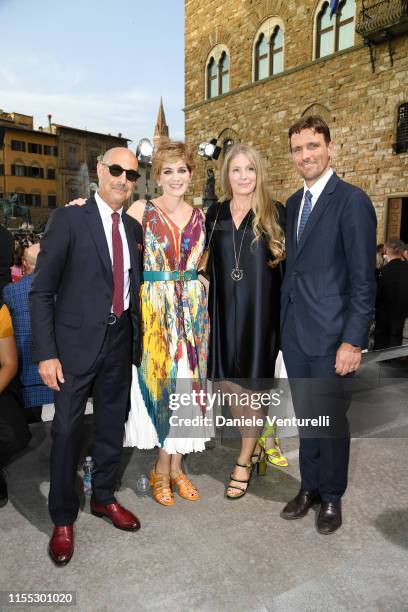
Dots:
pixel 299 506
pixel 329 517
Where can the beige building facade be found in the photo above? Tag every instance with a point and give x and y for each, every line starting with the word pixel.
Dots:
pixel 77 158
pixel 253 67
pixel 55 164
pixel 28 164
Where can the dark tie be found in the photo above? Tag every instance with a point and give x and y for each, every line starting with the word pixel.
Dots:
pixel 117 250
pixel 307 209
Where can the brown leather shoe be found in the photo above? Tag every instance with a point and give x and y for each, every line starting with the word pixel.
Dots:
pixel 61 545
pixel 120 517
pixel 329 518
pixel 299 506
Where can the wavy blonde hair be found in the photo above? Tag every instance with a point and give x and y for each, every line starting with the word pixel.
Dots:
pixel 266 216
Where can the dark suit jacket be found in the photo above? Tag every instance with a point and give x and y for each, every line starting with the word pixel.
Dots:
pixel 330 273
pixel 74 266
pixel 6 256
pixel 392 296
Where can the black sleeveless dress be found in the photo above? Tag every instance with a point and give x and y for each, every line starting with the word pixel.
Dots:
pixel 244 314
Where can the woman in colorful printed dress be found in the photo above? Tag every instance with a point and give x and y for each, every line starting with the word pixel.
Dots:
pixel 174 325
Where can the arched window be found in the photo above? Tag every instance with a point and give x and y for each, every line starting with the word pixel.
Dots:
pixel 268 49
pixel 345 25
pixel 325 32
pixel 223 72
pixel 261 58
pixel 277 51
pixel 212 80
pixel 337 33
pixel 217 72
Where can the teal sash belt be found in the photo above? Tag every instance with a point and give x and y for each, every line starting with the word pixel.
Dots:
pixel 170 275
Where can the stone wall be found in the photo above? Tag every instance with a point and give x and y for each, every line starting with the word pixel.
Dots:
pixel 359 105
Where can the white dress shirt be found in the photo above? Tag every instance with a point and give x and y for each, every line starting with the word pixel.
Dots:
pixel 315 190
pixel 106 215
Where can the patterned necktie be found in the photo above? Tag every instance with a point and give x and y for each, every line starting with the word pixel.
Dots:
pixel 307 209
pixel 117 250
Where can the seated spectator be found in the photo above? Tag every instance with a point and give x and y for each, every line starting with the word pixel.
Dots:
pixel 6 256
pixel 15 296
pixel 392 297
pixel 17 270
pixel 14 432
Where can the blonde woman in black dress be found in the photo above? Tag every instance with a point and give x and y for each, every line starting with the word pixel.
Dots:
pixel 247 248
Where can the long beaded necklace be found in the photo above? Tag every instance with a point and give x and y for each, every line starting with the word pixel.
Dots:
pixel 238 273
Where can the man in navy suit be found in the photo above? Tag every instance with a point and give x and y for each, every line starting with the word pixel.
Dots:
pixel 328 297
pixel 392 297
pixel 85 327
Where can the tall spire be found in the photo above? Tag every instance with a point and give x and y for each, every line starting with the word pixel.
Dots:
pixel 161 130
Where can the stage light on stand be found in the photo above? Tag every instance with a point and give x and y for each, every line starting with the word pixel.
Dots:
pixel 209 150
pixel 144 152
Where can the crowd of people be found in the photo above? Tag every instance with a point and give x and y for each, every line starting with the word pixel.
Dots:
pixel 22 392
pixel 117 309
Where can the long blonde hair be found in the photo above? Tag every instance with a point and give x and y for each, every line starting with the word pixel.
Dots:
pixel 266 216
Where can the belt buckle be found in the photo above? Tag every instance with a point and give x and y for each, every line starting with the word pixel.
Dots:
pixel 184 275
pixel 112 319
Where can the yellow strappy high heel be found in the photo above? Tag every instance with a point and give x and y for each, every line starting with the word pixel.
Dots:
pixel 274 455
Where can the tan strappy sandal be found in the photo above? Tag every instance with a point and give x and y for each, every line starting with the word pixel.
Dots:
pixel 162 492
pixel 186 489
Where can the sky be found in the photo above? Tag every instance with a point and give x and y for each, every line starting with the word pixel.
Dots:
pixel 100 65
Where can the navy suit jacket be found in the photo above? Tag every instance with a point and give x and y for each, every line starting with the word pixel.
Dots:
pixel 72 290
pixel 330 273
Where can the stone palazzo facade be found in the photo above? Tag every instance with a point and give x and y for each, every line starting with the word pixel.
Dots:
pixel 253 67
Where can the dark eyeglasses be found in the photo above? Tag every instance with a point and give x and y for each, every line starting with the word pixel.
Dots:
pixel 116 170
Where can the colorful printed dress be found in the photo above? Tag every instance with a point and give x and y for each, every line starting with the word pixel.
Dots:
pixel 175 329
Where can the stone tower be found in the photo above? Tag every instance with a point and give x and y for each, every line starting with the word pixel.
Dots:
pixel 161 130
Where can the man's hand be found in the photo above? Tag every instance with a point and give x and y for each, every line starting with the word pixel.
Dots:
pixel 50 371
pixel 348 358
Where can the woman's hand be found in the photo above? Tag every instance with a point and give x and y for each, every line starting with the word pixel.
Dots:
pixel 77 202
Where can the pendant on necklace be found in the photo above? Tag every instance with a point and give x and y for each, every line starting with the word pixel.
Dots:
pixel 237 274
